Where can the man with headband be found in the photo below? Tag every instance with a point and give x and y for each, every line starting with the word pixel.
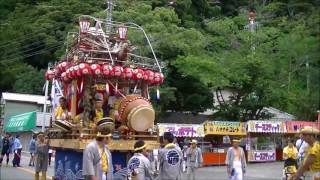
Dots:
pixel 139 166
pixel 97 160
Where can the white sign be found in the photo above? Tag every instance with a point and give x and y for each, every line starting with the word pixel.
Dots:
pixel 262 156
pixel 182 130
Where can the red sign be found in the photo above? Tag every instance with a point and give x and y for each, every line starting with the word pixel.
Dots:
pixel 296 126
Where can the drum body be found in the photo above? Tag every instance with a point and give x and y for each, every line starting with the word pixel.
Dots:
pixel 105 125
pixel 137 112
pixel 63 125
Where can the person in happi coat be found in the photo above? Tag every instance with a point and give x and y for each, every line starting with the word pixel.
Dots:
pixel 236 161
pixel 97 160
pixel 194 159
pixel 41 156
pixel 170 159
pixel 139 166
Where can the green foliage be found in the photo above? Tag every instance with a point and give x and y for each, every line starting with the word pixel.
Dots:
pixel 205 45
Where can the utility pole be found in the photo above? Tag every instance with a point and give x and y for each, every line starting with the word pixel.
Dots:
pixel 308 76
pixel 45 102
pixel 109 16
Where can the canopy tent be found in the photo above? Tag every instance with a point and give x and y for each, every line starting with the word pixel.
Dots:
pixel 21 122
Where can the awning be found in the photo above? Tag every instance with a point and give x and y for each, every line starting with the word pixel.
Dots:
pixel 21 122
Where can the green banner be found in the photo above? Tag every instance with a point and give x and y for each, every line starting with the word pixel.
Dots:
pixel 21 122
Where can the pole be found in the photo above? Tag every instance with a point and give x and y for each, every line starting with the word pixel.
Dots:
pixel 308 77
pixel 45 103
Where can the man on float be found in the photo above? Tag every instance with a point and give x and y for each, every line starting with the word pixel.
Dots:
pixel 98 107
pixel 139 166
pixel 97 159
pixel 170 159
pixel 61 112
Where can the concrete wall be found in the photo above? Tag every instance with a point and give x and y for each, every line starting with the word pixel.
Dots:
pixel 12 108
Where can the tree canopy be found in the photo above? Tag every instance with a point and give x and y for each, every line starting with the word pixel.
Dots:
pixel 205 45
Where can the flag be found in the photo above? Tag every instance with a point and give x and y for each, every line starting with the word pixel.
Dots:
pixel 56 93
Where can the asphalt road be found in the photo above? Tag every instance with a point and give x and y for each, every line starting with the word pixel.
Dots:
pixel 257 171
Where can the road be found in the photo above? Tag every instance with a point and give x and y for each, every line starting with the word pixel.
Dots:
pixel 257 171
pixel 24 172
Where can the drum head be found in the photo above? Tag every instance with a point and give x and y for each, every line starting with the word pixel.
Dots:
pixel 141 118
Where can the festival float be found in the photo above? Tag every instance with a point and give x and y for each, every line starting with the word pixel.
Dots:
pixel 102 62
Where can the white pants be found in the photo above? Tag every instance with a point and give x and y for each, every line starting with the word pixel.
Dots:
pixel 238 175
pixel 191 172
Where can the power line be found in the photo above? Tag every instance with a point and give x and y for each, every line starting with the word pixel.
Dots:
pixel 37 52
pixel 25 37
pixel 26 50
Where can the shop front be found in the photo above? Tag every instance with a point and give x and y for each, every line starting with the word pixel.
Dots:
pixel 218 136
pixel 265 140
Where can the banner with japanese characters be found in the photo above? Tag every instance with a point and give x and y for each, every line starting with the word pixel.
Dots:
pixel 224 128
pixel 182 130
pixel 266 127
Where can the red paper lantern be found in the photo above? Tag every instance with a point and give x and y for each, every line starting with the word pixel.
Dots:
pixel 106 69
pixel 149 76
pixel 138 74
pixel 64 77
pixel 70 74
pixel 96 69
pixel 75 71
pixel 50 75
pixel 63 66
pixel 84 69
pixel 127 73
pixel 68 71
pixel 117 71
pixel 57 71
pixel 157 78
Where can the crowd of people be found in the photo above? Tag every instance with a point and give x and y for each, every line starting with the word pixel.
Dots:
pixel 167 161
pixel 11 145
pixel 40 153
pixel 302 159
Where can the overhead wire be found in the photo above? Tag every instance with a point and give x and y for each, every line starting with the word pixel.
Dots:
pixel 13 53
pixel 37 52
pixel 26 37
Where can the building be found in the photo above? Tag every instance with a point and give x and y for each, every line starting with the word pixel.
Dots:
pixel 23 115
